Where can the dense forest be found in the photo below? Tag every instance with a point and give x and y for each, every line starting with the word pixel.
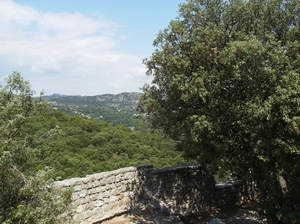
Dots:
pixel 76 146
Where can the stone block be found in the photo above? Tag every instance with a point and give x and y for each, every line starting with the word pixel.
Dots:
pixel 115 192
pixel 99 196
pixel 103 181
pixel 119 178
pixel 126 200
pixel 87 214
pixel 80 217
pixel 106 200
pixel 95 183
pixel 129 193
pixel 130 187
pixel 93 197
pixel 83 193
pixel 78 187
pixel 113 199
pixel 80 208
pixel 121 196
pixel 105 194
pixel 110 186
pixel 97 190
pixel 102 189
pixel 113 206
pixel 89 206
pixel 110 179
pixel 78 202
pixel 86 199
pixel 75 196
pixel 88 185
pixel 129 176
pixel 91 191
pixel 85 180
pixel 98 213
pixel 105 208
pixel 99 203
pixel 118 184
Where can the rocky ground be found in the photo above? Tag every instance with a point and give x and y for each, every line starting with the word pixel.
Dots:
pixel 237 215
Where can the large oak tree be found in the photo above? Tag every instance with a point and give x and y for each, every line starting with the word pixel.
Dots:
pixel 226 85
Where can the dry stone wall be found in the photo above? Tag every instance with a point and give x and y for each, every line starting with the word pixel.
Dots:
pixel 181 190
pixel 103 195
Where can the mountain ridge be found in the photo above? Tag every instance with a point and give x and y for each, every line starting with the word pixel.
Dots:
pixel 114 108
pixel 119 97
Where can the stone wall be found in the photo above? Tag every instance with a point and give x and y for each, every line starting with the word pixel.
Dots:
pixel 228 193
pixel 103 195
pixel 181 190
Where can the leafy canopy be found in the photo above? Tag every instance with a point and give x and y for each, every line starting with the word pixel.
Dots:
pixel 92 146
pixel 226 85
pixel 25 196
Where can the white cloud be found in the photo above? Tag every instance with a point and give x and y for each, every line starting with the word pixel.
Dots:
pixel 56 49
pixel 45 64
pixel 23 15
pixel 115 85
pixel 75 24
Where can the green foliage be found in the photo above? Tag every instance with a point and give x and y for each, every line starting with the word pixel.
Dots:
pixel 25 196
pixel 90 146
pixel 40 201
pixel 226 85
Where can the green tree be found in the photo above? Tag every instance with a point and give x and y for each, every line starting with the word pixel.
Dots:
pixel 226 85
pixel 25 196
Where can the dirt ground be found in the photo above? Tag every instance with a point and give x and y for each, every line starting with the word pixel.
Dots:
pixel 237 215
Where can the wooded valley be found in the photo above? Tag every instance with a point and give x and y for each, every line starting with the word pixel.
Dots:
pixel 76 146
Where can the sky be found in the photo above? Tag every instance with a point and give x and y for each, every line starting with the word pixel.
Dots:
pixel 81 47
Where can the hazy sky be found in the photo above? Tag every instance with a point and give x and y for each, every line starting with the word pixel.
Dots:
pixel 81 47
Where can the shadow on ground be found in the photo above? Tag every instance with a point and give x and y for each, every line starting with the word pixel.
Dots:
pixel 236 215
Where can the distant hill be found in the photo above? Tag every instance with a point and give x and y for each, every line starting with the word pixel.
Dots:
pixel 113 108
pixel 121 97
pixel 53 96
